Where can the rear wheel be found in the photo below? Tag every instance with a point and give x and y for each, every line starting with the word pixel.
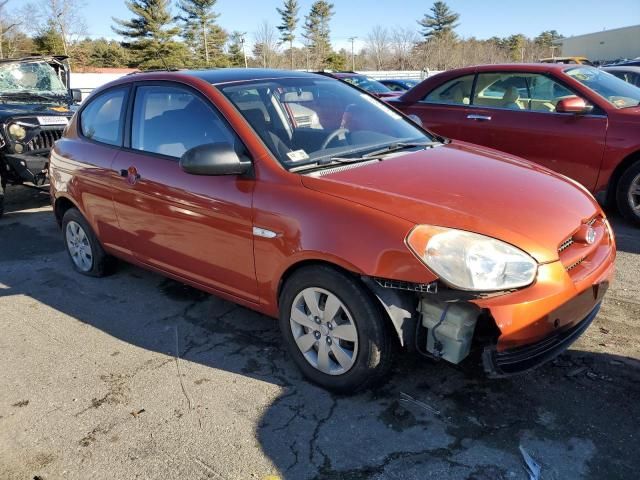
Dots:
pixel 1 200
pixel 334 330
pixel 86 254
pixel 628 193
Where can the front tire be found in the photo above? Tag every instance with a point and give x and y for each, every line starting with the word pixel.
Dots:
pixel 334 330
pixel 86 254
pixel 628 193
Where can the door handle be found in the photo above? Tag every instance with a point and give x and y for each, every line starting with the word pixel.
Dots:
pixel 131 174
pixel 483 118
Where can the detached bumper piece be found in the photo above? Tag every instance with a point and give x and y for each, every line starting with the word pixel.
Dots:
pixel 522 359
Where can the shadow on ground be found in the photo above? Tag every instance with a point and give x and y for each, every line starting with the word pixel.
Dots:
pixel 576 416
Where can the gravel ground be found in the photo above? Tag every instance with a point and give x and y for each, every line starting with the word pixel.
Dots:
pixel 136 376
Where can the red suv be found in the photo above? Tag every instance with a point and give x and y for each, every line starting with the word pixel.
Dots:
pixel 575 119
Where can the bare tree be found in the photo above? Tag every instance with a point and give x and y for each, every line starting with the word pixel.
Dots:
pixel 6 24
pixel 403 41
pixel 378 44
pixel 266 46
pixel 63 16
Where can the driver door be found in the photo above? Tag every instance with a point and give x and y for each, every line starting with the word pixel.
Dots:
pixel 195 227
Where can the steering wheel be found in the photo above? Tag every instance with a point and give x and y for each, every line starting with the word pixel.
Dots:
pixel 332 136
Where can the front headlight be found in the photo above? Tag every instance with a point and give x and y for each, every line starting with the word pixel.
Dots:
pixel 17 132
pixel 470 261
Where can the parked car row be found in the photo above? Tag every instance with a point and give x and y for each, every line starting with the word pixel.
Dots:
pixel 315 202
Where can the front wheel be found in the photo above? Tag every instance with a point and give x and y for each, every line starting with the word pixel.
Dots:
pixel 86 254
pixel 334 330
pixel 628 193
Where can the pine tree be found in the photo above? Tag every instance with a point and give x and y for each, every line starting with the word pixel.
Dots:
pixel 150 35
pixel 200 30
pixel 289 15
pixel 440 23
pixel 317 31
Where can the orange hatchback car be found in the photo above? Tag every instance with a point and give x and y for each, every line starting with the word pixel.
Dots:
pixel 306 199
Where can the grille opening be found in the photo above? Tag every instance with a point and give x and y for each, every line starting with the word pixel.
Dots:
pixel 44 140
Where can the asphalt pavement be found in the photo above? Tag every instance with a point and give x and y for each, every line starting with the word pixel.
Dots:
pixel 137 376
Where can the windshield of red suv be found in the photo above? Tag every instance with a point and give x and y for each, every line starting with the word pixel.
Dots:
pixel 305 120
pixel 35 77
pixel 617 92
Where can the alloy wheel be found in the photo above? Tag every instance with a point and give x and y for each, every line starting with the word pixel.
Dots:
pixel 324 331
pixel 79 246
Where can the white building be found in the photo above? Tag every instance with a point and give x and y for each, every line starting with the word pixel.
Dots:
pixel 606 45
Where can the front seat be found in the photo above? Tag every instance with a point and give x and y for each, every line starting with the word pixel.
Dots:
pixel 256 119
pixel 510 99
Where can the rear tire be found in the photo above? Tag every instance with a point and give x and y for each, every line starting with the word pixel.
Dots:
pixel 349 350
pixel 628 193
pixel 1 200
pixel 85 252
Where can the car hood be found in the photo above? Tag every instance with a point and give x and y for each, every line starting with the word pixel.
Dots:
pixel 470 188
pixel 8 110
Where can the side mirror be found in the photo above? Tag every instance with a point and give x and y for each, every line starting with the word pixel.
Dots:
pixel 575 105
pixel 213 159
pixel 76 95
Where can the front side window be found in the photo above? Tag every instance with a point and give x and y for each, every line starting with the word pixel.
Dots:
pixel 453 92
pixel 309 120
pixel 519 91
pixel 617 92
pixel 171 120
pixel 101 120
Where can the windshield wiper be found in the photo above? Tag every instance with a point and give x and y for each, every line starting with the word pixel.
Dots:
pixel 380 153
pixel 34 95
pixel 374 155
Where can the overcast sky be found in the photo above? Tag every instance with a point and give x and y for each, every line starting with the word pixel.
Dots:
pixel 478 18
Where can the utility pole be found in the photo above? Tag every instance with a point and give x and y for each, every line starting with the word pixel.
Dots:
pixel 353 58
pixel 244 52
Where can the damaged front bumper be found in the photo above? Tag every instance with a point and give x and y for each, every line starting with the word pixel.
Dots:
pixel 27 167
pixel 522 359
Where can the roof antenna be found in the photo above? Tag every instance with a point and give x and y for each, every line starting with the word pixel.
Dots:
pixel 161 58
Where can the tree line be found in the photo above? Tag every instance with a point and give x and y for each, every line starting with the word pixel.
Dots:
pixel 189 34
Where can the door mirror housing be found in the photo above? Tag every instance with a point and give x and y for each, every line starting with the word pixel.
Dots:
pixel 213 159
pixel 76 95
pixel 575 105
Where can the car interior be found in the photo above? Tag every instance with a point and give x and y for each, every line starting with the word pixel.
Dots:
pixel 514 91
pixel 280 116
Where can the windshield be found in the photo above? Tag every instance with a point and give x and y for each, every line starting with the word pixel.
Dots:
pixel 33 77
pixel 366 83
pixel 617 92
pixel 306 120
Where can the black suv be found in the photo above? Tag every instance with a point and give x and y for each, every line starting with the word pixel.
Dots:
pixel 35 106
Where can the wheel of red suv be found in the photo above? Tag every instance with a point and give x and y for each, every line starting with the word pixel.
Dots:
pixel 334 330
pixel 86 254
pixel 628 194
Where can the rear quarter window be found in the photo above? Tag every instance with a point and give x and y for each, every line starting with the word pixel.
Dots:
pixel 101 120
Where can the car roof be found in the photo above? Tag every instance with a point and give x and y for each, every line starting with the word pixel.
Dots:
pixel 227 75
pixel 622 68
pixel 32 58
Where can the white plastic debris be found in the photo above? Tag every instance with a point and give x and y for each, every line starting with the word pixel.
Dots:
pixel 531 466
